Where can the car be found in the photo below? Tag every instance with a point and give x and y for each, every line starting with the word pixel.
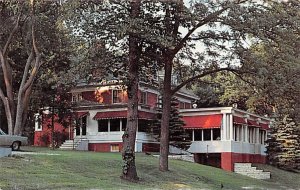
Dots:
pixel 12 141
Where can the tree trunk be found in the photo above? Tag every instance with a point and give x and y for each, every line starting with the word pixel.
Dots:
pixel 166 110
pixel 128 154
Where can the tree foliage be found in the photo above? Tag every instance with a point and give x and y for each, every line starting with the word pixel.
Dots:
pixel 31 38
pixel 177 135
pixel 284 145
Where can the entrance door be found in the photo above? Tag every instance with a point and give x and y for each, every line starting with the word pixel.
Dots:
pixel 83 126
pixel 77 130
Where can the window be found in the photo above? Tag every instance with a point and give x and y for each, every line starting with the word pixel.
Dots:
pixel 143 125
pixel 38 122
pixel 124 124
pixel 76 97
pixel 143 99
pixel 114 148
pixel 198 135
pixel 190 134
pixel 207 134
pixel 181 105
pixel 115 125
pixel 117 96
pixel 103 125
pixel 216 134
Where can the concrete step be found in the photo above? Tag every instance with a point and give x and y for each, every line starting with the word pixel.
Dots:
pixel 68 144
pixel 247 170
pixel 5 151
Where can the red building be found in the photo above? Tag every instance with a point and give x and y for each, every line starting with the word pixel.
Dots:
pixel 220 136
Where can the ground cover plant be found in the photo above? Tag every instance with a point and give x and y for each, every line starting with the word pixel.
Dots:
pixel 90 170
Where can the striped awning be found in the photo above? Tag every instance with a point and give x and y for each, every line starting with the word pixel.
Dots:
pixel 79 115
pixel 122 114
pixel 239 120
pixel 203 121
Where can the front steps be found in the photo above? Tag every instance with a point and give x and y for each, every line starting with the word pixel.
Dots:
pixel 76 144
pixel 250 171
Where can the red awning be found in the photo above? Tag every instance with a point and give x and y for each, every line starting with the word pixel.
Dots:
pixel 202 121
pixel 252 123
pixel 79 115
pixel 264 126
pixel 122 114
pixel 146 115
pixel 110 115
pixel 239 120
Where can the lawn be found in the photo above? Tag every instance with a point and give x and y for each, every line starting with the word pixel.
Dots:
pixel 90 170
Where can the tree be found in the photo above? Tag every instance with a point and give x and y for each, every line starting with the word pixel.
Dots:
pixel 177 135
pixel 284 146
pixel 22 55
pixel 117 35
pixel 129 136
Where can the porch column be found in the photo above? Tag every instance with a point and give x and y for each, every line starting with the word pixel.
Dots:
pixel 246 134
pixel 223 128
pixel 80 128
pixel 211 134
pixel 237 129
pixel 257 136
pixel 193 135
pixel 202 135
pixel 243 134
pixel 121 125
pixel 231 135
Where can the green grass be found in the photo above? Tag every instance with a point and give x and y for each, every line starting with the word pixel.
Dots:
pixel 89 170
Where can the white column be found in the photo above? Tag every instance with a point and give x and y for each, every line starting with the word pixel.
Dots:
pixel 211 134
pixel 243 135
pixel 80 129
pixel 224 128
pixel 246 133
pixel 202 135
pixel 193 135
pixel 237 128
pixel 257 136
pixel 231 135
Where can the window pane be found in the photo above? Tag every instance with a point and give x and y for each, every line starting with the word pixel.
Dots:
pixel 143 125
pixel 216 134
pixel 207 134
pixel 115 125
pixel 117 96
pixel 190 134
pixel 114 148
pixel 103 125
pixel 198 134
pixel 124 124
pixel 143 99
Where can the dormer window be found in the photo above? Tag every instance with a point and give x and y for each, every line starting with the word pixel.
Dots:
pixel 143 99
pixel 117 96
pixel 76 97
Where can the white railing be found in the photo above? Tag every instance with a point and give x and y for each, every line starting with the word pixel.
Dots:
pixel 226 146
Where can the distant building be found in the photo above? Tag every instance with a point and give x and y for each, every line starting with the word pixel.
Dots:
pixel 220 136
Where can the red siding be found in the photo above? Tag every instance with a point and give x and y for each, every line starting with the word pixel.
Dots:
pixel 150 147
pixel 90 96
pixel 103 147
pixel 152 99
pixel 47 131
pixel 228 159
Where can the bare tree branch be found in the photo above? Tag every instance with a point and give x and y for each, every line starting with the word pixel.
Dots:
pixel 204 73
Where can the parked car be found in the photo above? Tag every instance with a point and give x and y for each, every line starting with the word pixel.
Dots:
pixel 12 141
